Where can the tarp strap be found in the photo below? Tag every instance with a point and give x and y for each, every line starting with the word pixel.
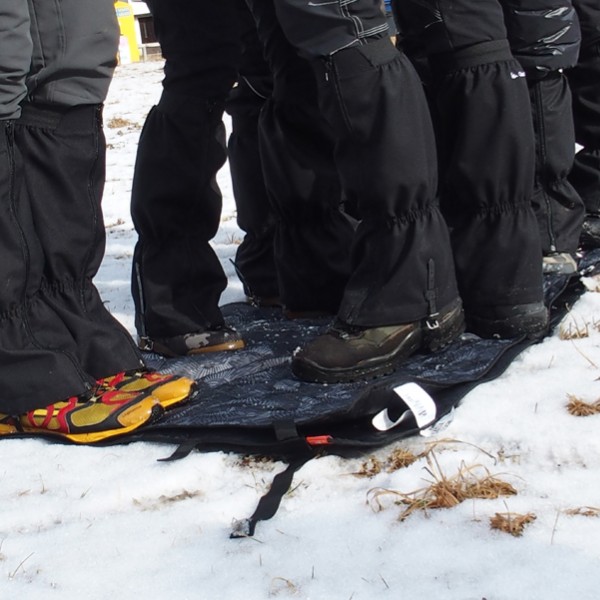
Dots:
pixel 181 451
pixel 269 503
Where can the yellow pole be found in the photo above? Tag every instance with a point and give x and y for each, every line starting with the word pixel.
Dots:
pixel 128 47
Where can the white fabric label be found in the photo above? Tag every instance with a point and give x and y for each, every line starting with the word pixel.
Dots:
pixel 419 402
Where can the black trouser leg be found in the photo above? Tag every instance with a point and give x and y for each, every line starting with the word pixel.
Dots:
pixel 585 88
pixel 176 208
pixel 386 157
pixel 487 148
pixel 531 30
pixel 33 373
pixel 64 166
pixel 177 278
pixel 384 152
pixel 557 205
pixel 57 336
pixel 545 42
pixel 254 258
pixel 313 236
pixel 488 177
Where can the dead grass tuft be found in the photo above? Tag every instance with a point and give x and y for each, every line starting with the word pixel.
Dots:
pixel 162 501
pixel 583 511
pixel 445 492
pixel 114 224
pixel 574 331
pixel 579 408
pixel 400 459
pixel 512 523
pixel 251 460
pixel 119 123
pixel 577 327
pixel 371 467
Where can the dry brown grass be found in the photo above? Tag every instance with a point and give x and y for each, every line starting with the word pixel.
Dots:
pixel 574 331
pixel 251 460
pixel 577 328
pixel 369 468
pixel 583 511
pixel 512 523
pixel 119 123
pixel 162 501
pixel 398 459
pixel 443 491
pixel 579 408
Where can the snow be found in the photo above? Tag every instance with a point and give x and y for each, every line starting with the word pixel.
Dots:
pixel 117 523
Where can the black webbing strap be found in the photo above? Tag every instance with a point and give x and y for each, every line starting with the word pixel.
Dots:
pixel 300 453
pixel 269 503
pixel 182 451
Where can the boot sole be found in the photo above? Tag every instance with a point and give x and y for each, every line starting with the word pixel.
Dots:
pixel 159 348
pixel 236 345
pixel 98 436
pixel 533 326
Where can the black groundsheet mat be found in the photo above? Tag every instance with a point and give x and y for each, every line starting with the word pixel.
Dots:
pixel 250 398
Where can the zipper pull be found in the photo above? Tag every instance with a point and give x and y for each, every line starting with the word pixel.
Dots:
pixel 328 67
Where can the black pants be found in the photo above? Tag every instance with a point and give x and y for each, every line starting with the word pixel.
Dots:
pixel 545 39
pixel 254 258
pixel 57 336
pixel 584 81
pixel 176 204
pixel 384 155
pixel 313 236
pixel 486 145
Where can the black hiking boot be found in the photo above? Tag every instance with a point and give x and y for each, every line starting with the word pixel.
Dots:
pixel 507 322
pixel 211 340
pixel 561 263
pixel 348 353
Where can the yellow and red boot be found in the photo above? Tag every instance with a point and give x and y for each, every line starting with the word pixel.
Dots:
pixel 8 424
pixel 168 389
pixel 83 419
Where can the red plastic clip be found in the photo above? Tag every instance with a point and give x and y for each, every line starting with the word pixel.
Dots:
pixel 319 440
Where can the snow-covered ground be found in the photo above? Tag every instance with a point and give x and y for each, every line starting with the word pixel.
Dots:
pixel 114 523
